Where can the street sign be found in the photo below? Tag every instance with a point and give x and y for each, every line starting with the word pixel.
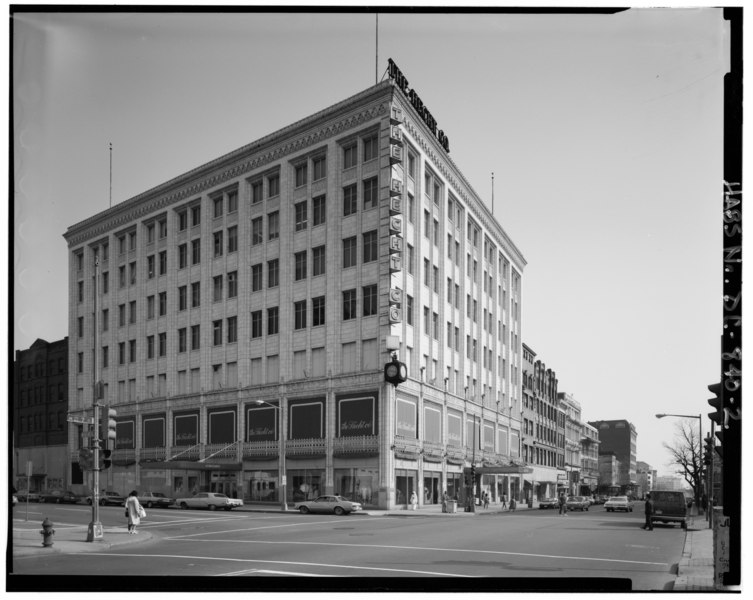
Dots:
pixel 82 420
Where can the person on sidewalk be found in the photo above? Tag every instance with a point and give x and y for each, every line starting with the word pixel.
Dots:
pixel 513 504
pixel 504 501
pixel 132 511
pixel 486 499
pixel 413 501
pixel 649 510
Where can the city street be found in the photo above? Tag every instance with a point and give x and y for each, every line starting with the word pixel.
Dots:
pixel 520 547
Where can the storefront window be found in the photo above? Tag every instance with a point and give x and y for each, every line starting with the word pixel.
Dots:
pixel 432 487
pixel 304 484
pixel 454 485
pixel 357 484
pixel 263 486
pixel 405 485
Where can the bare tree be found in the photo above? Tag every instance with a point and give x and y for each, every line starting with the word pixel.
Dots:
pixel 686 454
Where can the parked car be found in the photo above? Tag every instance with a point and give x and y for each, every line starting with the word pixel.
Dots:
pixel 209 500
pixel 669 507
pixel 601 499
pixel 108 499
pixel 618 503
pixel 59 497
pixel 549 503
pixel 157 499
pixel 577 503
pixel 27 496
pixel 329 504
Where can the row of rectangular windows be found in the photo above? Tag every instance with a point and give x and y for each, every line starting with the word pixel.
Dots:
pixel 127 350
pixel 227 202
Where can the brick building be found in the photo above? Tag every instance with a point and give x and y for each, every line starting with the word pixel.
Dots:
pixel 246 310
pixel 39 413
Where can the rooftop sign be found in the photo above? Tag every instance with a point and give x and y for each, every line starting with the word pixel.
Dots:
pixel 397 75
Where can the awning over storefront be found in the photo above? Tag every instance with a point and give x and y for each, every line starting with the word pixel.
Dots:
pixel 505 470
pixel 190 465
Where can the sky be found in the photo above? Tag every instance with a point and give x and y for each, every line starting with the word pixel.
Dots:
pixel 603 134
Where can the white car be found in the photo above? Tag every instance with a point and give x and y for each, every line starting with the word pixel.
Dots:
pixel 618 503
pixel 209 500
pixel 329 504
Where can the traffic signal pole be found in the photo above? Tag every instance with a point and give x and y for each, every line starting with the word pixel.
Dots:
pixel 95 532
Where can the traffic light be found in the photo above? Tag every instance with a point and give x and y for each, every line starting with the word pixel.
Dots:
pixel 112 424
pixel 473 473
pixel 106 460
pixel 395 372
pixel 717 403
pixel 708 449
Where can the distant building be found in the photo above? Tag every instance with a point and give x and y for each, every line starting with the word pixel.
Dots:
pixel 543 436
pixel 39 413
pixel 646 476
pixel 589 460
pixel 609 474
pixel 570 408
pixel 618 437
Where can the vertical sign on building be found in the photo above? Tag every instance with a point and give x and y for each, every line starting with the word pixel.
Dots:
pixel 396 216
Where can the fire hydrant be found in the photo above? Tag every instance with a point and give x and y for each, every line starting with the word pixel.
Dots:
pixel 47 532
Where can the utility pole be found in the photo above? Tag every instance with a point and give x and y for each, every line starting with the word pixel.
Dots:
pixel 95 532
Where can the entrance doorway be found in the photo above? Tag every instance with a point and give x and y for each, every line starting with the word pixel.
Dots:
pixel 224 483
pixel 432 487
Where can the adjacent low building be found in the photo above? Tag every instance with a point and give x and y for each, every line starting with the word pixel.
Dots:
pixel 39 416
pixel 244 312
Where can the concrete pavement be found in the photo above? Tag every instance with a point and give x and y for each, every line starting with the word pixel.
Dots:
pixel 695 571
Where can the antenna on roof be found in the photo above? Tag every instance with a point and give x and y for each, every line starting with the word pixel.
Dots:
pixel 376 66
pixel 110 174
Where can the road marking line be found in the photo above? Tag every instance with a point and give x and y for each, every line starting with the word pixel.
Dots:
pixel 270 572
pixel 192 535
pixel 460 550
pixel 275 562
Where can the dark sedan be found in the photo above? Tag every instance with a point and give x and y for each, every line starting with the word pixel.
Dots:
pixel 59 497
pixel 577 503
pixel 549 503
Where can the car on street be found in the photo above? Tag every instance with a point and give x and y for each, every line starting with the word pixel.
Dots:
pixel 549 503
pixel 157 499
pixel 108 499
pixel 209 500
pixel 27 496
pixel 329 504
pixel 618 503
pixel 59 497
pixel 577 503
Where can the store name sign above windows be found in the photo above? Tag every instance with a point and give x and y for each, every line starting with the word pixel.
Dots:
pixel 397 76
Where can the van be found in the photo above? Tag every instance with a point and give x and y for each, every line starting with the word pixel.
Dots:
pixel 669 507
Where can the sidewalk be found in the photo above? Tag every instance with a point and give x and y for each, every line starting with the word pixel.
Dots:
pixel 695 573
pixel 68 539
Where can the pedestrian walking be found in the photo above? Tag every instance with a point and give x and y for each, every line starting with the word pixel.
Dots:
pixel 563 506
pixel 486 499
pixel 649 510
pixel 413 501
pixel 133 511
pixel 504 500
pixel 513 504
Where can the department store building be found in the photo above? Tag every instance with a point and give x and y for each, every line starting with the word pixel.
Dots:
pixel 244 312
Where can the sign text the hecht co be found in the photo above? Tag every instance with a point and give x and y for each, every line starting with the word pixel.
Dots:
pixel 397 75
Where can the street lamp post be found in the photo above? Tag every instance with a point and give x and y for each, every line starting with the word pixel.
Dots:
pixel 281 440
pixel 700 438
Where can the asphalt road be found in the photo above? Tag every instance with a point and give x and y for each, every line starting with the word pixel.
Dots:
pixel 524 548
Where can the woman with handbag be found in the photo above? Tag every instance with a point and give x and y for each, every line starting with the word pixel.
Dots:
pixel 134 511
